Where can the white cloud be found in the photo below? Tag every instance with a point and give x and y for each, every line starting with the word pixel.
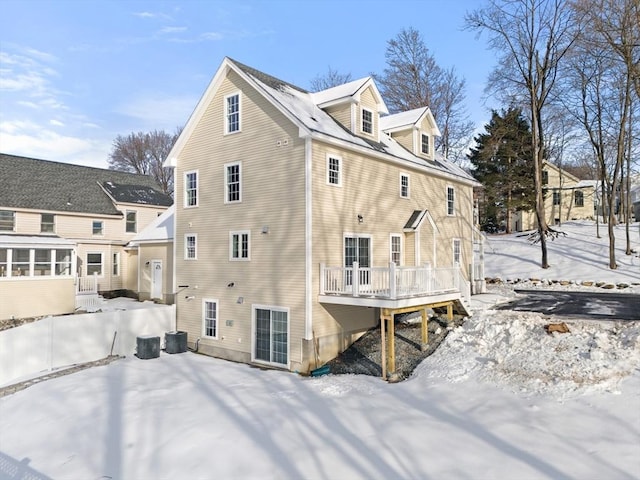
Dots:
pixel 56 123
pixel 33 140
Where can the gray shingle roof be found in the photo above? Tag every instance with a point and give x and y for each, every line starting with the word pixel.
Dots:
pixel 46 185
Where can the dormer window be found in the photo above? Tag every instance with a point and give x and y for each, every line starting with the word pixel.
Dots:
pixel 367 121
pixel 424 144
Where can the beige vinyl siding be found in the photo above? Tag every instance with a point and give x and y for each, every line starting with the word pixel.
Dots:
pixel 404 138
pixel 33 297
pixel 272 195
pixel 129 269
pixel 370 189
pixel 341 114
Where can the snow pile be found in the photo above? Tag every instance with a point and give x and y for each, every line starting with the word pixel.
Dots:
pixel 513 351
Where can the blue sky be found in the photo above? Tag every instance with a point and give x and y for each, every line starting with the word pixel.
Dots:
pixel 75 74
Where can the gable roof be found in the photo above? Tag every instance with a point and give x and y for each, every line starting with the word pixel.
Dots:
pixel 159 230
pixel 348 92
pixel 408 119
pixel 53 186
pixel 301 108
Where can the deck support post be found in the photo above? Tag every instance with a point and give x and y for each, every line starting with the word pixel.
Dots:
pixel 449 312
pixel 383 345
pixel 425 329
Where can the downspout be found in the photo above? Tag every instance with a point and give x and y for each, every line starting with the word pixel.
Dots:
pixel 308 226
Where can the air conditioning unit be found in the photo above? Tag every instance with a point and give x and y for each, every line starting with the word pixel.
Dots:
pixel 148 346
pixel 175 342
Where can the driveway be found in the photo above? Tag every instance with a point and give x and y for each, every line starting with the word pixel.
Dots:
pixel 594 305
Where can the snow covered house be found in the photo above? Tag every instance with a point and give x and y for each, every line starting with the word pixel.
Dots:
pixel 566 198
pixel 63 233
pixel 305 219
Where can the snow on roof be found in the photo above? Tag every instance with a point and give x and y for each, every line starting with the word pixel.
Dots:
pixel 51 241
pixel 160 230
pixel 402 119
pixel 345 90
pixel 301 108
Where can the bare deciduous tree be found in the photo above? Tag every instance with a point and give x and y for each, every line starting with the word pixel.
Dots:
pixel 332 78
pixel 413 79
pixel 532 37
pixel 145 153
pixel 604 74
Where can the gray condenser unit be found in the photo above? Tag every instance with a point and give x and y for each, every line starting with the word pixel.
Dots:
pixel 148 347
pixel 175 342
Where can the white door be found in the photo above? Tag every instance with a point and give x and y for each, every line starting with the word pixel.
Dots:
pixel 358 249
pixel 156 279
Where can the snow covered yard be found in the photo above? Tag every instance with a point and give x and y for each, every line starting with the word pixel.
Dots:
pixel 500 398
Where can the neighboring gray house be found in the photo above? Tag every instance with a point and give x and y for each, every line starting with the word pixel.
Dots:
pixel 63 230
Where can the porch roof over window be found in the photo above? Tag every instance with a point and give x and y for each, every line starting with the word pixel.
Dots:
pixel 34 241
pixel 416 219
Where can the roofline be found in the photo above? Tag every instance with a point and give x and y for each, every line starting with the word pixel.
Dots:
pixel 226 65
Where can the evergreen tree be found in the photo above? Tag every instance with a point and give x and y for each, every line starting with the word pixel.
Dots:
pixel 503 162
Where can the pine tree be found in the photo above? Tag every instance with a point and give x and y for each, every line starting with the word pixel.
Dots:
pixel 503 162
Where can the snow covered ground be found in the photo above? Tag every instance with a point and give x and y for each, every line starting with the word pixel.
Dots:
pixel 499 399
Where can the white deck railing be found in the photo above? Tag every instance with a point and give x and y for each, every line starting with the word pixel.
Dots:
pixel 390 282
pixel 87 285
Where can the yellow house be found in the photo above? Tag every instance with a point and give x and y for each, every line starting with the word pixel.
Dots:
pixel 566 198
pixel 303 219
pixel 63 233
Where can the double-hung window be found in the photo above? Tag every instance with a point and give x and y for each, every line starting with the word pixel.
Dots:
pixel 7 221
pixel 191 189
pixel 115 264
pixel 190 247
pixel 232 113
pixel 396 249
pixel 97 227
pixel 210 318
pixel 233 182
pixel 456 252
pixel 578 198
pixel 424 144
pixel 131 216
pixel 21 265
pixel 545 177
pixel 47 222
pixel 404 185
pixel 451 201
pixel 239 245
pixel 367 121
pixel 556 198
pixel 94 264
pixel 42 262
pixel 334 172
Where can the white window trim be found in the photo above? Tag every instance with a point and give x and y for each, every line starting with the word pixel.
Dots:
pixel 116 263
pixel 240 232
pixel 339 158
pixel 101 234
pixel 391 237
pixel 204 311
pixel 186 237
pixel 15 221
pixel 126 222
pixel 53 223
pixel 405 174
pixel 186 190
pixel 429 147
pixel 277 308
pixel 453 250
pixel 362 110
pixel 226 114
pixel 452 214
pixel 86 268
pixel 226 183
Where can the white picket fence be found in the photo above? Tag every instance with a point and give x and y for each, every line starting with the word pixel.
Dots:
pixel 55 342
